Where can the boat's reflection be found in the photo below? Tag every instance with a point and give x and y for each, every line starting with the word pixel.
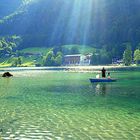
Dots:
pixel 101 88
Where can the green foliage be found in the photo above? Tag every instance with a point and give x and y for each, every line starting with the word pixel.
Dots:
pixel 59 54
pixel 16 61
pixel 20 60
pixel 42 50
pixel 118 26
pixel 8 45
pixel 65 50
pixel 105 57
pixel 82 49
pixel 127 56
pixel 58 59
pixel 138 46
pixel 49 59
pixel 74 50
pixel 100 57
pixel 137 56
pixel 53 60
pixel 1 45
pixel 95 59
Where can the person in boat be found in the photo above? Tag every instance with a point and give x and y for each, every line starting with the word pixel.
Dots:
pixel 108 75
pixel 103 73
pixel 98 76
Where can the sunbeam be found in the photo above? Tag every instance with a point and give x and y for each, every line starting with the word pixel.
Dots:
pixel 74 21
pixel 76 17
pixel 69 69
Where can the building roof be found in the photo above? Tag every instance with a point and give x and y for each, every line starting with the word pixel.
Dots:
pixel 73 55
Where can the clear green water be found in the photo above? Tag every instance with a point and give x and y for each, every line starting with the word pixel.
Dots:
pixel 57 106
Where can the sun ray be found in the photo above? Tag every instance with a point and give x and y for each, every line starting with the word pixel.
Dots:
pixel 75 17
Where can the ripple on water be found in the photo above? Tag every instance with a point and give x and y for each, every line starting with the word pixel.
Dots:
pixel 62 106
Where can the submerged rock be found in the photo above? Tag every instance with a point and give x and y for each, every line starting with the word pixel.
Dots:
pixel 7 74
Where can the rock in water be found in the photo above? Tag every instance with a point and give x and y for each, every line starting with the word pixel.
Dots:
pixel 7 74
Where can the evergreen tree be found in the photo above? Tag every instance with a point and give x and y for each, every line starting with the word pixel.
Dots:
pixel 127 56
pixel 137 56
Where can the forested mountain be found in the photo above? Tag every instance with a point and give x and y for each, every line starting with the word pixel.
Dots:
pixel 96 23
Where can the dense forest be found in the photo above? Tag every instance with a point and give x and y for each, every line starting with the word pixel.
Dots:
pixel 101 24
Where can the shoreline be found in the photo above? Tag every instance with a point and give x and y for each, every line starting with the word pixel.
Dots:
pixel 72 68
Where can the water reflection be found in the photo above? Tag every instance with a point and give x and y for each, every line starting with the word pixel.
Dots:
pixel 101 88
pixel 5 86
pixel 6 83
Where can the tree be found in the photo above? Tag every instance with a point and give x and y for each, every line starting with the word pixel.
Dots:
pixel 101 57
pixel 105 57
pixel 53 60
pixel 8 45
pixel 57 49
pixel 0 44
pixel 16 61
pixel 1 48
pixel 74 50
pixel 127 55
pixel 65 50
pixel 95 59
pixel 8 49
pixel 20 60
pixel 137 56
pixel 138 46
pixel 49 59
pixel 58 59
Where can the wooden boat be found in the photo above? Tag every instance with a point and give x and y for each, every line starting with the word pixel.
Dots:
pixel 96 80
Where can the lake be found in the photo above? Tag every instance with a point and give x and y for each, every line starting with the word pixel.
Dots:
pixel 66 106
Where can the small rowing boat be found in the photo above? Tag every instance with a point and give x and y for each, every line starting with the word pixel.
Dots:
pixel 96 80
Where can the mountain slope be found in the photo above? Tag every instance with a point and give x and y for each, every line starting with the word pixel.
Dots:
pixel 9 6
pixel 50 23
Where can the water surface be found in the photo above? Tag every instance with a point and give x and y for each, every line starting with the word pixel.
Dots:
pixel 65 105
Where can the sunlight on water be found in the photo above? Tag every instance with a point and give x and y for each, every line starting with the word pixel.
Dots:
pixel 56 105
